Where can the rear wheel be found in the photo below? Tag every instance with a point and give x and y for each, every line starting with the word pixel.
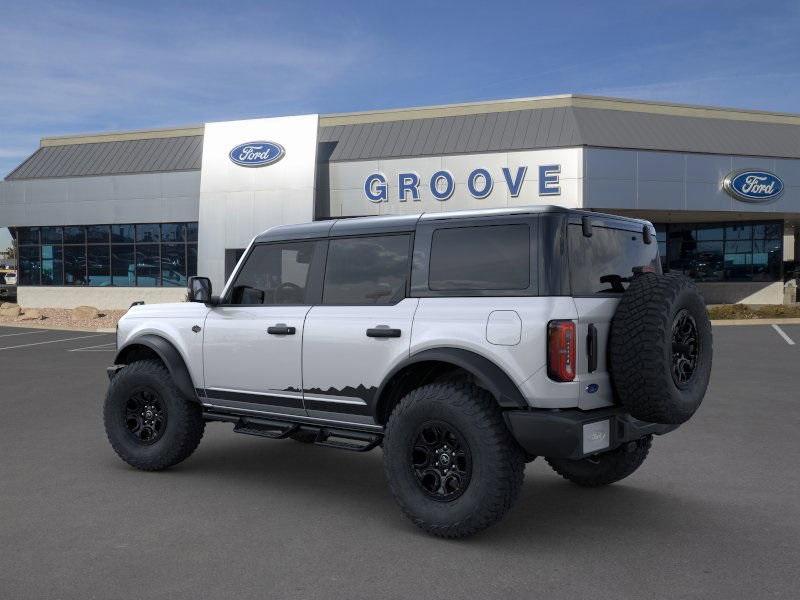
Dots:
pixel 149 423
pixel 606 468
pixel 450 462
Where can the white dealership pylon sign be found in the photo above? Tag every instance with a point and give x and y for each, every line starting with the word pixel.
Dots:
pixel 255 174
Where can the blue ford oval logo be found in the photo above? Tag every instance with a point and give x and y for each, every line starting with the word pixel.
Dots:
pixel 753 186
pixel 592 388
pixel 257 154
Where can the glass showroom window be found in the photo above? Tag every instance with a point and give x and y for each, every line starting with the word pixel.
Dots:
pixel 745 251
pixel 144 254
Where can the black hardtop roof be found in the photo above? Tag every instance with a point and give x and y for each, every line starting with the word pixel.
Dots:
pixel 348 226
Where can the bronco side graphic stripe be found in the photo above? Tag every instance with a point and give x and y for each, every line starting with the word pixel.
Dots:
pixel 283 399
pixel 349 408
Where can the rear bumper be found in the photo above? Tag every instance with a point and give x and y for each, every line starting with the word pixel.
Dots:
pixel 575 434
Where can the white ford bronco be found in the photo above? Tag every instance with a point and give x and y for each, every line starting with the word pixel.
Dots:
pixel 464 344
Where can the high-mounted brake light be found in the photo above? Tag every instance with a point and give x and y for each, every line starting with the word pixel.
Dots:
pixel 561 350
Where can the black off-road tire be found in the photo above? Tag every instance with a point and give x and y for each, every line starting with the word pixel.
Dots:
pixel 642 348
pixel 182 431
pixel 497 461
pixel 605 468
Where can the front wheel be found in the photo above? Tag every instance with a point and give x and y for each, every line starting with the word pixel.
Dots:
pixel 606 468
pixel 449 459
pixel 149 423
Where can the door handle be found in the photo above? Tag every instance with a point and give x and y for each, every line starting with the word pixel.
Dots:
pixel 281 329
pixel 591 347
pixel 383 331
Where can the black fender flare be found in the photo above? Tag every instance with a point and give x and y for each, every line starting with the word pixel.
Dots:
pixel 489 375
pixel 169 355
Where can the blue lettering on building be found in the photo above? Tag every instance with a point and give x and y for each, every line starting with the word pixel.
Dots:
pixel 549 180
pixel 375 188
pixel 407 182
pixel 442 185
pixel 514 185
pixel 480 184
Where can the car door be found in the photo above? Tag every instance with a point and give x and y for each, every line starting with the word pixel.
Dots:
pixel 252 345
pixel 361 329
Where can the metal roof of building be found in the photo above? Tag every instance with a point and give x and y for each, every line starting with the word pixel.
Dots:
pixel 113 157
pixel 514 130
pixel 519 124
pixel 561 127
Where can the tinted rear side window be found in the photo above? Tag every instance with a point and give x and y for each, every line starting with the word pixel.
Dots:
pixel 605 262
pixel 493 257
pixel 367 270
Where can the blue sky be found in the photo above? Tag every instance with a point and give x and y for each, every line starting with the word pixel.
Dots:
pixel 74 67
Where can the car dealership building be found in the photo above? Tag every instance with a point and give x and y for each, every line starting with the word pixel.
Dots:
pixel 110 218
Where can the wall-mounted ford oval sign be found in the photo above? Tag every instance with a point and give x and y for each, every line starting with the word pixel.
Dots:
pixel 257 154
pixel 753 186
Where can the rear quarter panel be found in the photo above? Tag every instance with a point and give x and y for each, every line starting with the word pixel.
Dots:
pixel 463 322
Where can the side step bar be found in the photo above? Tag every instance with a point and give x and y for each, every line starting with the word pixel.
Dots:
pixel 265 428
pixel 331 437
pixel 336 438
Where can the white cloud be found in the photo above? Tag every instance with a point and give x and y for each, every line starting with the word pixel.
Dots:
pixel 71 68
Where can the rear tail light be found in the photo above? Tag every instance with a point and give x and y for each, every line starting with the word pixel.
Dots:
pixel 561 350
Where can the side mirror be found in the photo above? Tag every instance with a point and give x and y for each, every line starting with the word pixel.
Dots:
pixel 200 289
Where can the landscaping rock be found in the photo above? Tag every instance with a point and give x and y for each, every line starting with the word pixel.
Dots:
pixel 10 311
pixel 8 305
pixel 31 315
pixel 84 313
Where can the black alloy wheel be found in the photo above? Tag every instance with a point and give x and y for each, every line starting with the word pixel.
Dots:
pixel 441 461
pixel 685 348
pixel 145 416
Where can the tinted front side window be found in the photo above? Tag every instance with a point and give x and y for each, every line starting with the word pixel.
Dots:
pixel 274 274
pixel 368 270
pixel 497 257
pixel 605 262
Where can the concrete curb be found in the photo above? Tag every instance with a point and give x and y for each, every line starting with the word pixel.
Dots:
pixel 774 321
pixel 41 325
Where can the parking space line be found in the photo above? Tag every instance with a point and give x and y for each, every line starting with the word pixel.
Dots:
pixel 95 348
pixel 24 333
pixel 92 350
pixel 782 333
pixel 83 337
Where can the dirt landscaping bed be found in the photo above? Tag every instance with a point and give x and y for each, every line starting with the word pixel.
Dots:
pixel 63 318
pixel 753 311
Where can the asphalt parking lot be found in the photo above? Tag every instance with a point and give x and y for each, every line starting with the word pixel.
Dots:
pixel 713 513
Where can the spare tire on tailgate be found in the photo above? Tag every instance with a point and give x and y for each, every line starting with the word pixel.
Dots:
pixel 660 348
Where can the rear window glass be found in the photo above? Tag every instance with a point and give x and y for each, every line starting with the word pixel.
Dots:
pixel 480 258
pixel 605 262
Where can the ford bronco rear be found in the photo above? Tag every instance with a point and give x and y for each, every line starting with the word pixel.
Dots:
pixel 464 344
